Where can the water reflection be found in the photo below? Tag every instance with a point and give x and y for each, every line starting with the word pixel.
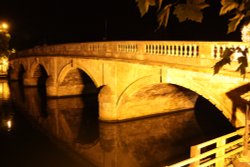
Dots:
pixel 4 90
pixel 6 115
pixel 74 122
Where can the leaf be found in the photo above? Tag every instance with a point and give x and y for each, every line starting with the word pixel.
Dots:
pixel 247 18
pixel 201 4
pixel 227 6
pixel 164 16
pixel 187 12
pixel 242 60
pixel 159 3
pixel 242 7
pixel 143 5
pixel 234 22
pixel 226 59
pixel 190 11
pixel 247 13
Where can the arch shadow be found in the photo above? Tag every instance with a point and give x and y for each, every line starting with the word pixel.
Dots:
pixel 210 119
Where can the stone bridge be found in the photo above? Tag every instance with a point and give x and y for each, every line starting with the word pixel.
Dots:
pixel 137 78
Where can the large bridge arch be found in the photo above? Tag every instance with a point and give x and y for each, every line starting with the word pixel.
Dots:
pixel 212 88
pixel 206 87
pixel 134 86
pixel 143 95
pixel 207 93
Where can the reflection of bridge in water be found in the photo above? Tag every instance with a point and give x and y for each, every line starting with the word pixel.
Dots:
pixel 123 144
pixel 144 78
pixel 3 66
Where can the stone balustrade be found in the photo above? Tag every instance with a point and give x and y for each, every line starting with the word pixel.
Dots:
pixel 123 49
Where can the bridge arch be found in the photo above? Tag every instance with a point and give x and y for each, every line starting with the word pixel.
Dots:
pixel 207 92
pixel 143 95
pixel 70 66
pixel 192 89
pixel 133 87
pixel 36 75
pixel 35 65
pixel 78 78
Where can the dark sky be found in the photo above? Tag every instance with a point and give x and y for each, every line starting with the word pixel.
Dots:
pixel 35 22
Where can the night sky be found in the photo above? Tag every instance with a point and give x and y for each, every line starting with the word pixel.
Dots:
pixel 36 22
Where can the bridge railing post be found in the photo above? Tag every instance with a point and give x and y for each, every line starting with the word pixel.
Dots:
pixel 246 134
pixel 219 144
pixel 194 152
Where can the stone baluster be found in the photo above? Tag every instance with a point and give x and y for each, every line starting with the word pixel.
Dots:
pixel 171 50
pixel 181 50
pixel 163 49
pixel 160 50
pixel 167 49
pixel 175 50
pixel 194 50
pixel 214 52
pixel 185 50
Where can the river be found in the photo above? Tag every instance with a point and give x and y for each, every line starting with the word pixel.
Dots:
pixel 37 131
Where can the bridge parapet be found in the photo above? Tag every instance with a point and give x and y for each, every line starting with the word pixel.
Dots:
pixel 188 53
pixel 207 50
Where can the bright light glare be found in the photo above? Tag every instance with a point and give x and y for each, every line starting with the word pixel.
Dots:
pixel 5 26
pixel 9 124
pixel 5 62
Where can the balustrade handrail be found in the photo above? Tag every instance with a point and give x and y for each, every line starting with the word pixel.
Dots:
pixel 121 49
pixel 222 150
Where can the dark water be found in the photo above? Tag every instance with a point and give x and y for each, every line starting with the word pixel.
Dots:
pixel 66 132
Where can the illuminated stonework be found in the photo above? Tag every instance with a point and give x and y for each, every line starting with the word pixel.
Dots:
pixel 137 78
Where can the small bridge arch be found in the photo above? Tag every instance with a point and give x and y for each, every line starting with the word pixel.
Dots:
pixel 35 66
pixel 78 77
pixel 70 66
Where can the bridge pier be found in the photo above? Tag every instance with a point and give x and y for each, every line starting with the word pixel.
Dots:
pixel 30 81
pixel 51 87
pixel 107 105
pixel 14 75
